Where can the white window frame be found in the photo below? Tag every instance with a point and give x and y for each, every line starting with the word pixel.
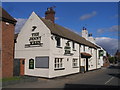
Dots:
pixel 75 63
pixel 60 42
pixel 58 64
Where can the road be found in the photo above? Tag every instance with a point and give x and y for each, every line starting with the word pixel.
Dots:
pixel 104 77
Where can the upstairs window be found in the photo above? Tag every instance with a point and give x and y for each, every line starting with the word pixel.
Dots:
pixel 73 45
pixel 84 48
pixel 91 50
pixel 58 41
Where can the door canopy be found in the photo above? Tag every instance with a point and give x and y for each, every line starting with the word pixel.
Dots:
pixel 85 55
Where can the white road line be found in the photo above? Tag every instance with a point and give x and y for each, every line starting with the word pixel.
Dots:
pixel 109 80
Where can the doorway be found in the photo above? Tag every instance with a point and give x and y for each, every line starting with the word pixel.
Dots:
pixel 18 69
pixel 86 64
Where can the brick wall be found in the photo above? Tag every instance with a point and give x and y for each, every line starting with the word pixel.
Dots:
pixel 7 49
pixel 0 49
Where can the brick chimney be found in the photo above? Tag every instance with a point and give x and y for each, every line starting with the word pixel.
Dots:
pixel 50 14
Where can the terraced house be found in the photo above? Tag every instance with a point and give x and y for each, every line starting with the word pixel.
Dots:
pixel 50 50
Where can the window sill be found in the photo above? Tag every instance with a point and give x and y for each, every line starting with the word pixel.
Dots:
pixel 74 50
pixel 58 46
pixel 75 67
pixel 70 54
pixel 59 69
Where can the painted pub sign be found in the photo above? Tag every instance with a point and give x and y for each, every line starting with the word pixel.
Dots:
pixel 34 41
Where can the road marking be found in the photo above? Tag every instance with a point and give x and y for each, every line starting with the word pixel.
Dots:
pixel 109 80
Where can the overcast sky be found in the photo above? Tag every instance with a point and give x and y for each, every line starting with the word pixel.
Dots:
pixel 100 18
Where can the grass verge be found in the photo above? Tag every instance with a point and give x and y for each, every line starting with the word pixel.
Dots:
pixel 10 79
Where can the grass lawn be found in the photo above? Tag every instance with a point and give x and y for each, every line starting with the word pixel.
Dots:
pixel 10 79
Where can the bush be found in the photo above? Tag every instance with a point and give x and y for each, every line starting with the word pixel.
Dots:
pixel 111 59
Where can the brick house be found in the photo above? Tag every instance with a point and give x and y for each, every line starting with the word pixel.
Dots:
pixel 7 26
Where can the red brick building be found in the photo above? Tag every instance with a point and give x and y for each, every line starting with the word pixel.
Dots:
pixel 7 26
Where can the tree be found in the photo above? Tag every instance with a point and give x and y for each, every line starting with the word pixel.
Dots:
pixel 111 59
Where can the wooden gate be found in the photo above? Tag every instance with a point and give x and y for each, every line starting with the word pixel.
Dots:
pixel 18 69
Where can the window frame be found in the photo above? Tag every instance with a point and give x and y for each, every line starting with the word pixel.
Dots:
pixel 58 42
pixel 75 63
pixel 73 46
pixel 84 48
pixel 46 67
pixel 58 64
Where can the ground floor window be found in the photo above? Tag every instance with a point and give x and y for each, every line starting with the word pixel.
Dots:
pixel 58 63
pixel 42 62
pixel 75 62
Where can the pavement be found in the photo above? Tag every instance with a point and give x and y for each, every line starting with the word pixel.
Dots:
pixel 103 77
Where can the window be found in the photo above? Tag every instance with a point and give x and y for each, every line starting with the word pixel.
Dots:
pixel 58 63
pixel 73 45
pixel 75 62
pixel 83 48
pixel 91 51
pixel 101 53
pixel 42 62
pixel 58 41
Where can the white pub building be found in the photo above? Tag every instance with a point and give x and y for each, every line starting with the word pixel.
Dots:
pixel 50 50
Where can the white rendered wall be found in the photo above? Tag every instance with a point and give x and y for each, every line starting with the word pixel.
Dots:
pixel 91 61
pixel 32 52
pixel 67 59
pixel 98 59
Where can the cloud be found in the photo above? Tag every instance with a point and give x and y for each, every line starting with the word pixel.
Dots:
pixel 101 30
pixel 56 18
pixel 87 16
pixel 115 16
pixel 113 30
pixel 19 24
pixel 110 44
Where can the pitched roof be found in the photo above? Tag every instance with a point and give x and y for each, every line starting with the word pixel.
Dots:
pixel 66 33
pixel 5 16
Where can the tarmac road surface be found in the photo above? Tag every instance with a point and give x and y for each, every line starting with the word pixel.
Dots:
pixel 104 77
